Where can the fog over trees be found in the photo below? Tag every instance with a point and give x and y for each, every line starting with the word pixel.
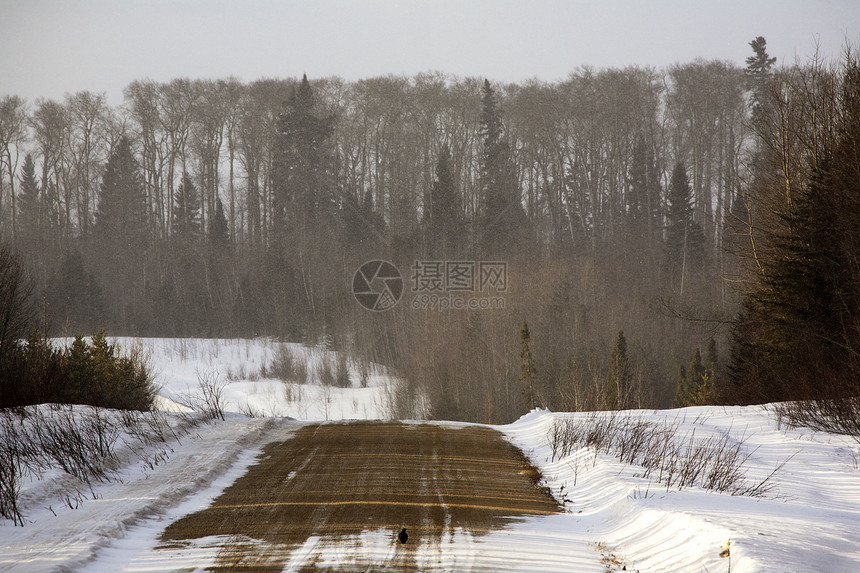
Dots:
pixel 656 225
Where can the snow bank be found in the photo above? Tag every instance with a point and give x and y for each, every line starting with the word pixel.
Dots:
pixel 806 522
pixel 67 523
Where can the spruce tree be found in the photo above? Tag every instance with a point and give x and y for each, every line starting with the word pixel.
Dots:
pixel 692 382
pixel 684 251
pixel 796 337
pixel 528 369
pixel 443 215
pixel 711 358
pixel 791 333
pixel 219 232
pixel 679 212
pixel 31 222
pixel 303 163
pixel 121 218
pixel 74 297
pixel 122 236
pixel 491 121
pixel 186 210
pixel 502 218
pixel 619 379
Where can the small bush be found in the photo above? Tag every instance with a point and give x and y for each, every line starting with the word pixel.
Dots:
pixel 14 453
pixel 326 371
pixel 81 442
pixel 714 463
pixel 212 393
pixel 835 415
pixel 342 372
pixel 83 446
pixel 92 373
pixel 334 370
pixel 288 367
pixel 363 372
pixel 209 401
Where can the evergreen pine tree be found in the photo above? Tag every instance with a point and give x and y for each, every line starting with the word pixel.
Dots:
pixel 443 215
pixel 684 252
pixel 692 383
pixel 619 379
pixel 792 329
pixel 121 218
pixel 796 337
pixel 31 222
pixel 711 358
pixel 302 172
pixel 186 210
pixel 528 369
pixel 74 297
pixel 122 236
pixel 758 72
pixel 219 232
pixel 491 122
pixel 760 63
pixel 502 218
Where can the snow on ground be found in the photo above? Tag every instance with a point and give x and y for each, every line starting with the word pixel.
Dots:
pixel 808 521
pixel 138 498
pixel 243 367
pixel 614 519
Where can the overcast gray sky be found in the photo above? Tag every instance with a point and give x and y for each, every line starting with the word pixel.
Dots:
pixel 49 48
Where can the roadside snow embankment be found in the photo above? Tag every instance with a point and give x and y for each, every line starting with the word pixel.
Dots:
pixel 801 517
pixel 69 520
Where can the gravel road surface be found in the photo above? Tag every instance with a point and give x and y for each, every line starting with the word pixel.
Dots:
pixel 335 496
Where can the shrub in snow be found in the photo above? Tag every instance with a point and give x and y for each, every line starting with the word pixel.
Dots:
pixel 82 442
pixel 713 463
pixel 288 367
pixel 209 399
pixel 86 372
pixel 838 415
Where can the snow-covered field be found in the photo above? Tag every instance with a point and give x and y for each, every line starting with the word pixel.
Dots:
pixel 615 519
pixel 243 368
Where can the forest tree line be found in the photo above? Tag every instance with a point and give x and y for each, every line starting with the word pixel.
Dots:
pixel 635 208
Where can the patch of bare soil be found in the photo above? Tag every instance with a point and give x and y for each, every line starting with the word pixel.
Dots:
pixel 333 483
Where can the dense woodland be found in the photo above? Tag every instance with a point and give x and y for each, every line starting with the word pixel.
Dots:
pixel 649 220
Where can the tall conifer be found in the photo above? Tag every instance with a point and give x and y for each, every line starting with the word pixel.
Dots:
pixel 528 369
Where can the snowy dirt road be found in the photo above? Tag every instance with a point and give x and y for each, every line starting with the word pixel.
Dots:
pixel 276 494
pixel 336 495
pixel 332 497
